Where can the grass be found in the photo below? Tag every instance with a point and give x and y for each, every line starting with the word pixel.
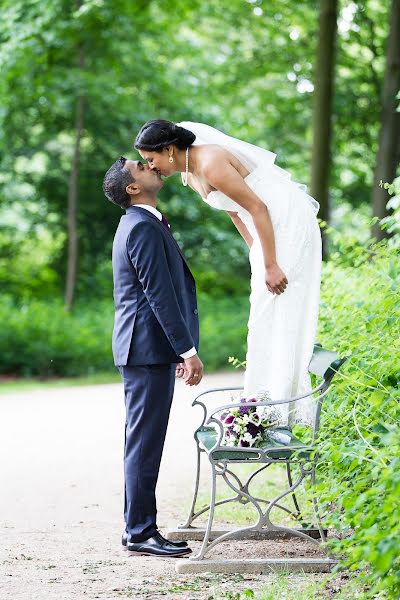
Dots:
pixel 8 386
pixel 292 587
pixel 220 586
pixel 281 586
pixel 341 586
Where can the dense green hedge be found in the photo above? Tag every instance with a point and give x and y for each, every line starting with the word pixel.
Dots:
pixel 360 438
pixel 41 339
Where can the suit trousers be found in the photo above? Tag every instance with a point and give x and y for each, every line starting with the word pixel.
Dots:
pixel 148 396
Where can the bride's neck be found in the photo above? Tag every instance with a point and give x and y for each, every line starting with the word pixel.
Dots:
pixel 193 161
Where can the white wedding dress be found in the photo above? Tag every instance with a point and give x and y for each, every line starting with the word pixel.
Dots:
pixel 281 328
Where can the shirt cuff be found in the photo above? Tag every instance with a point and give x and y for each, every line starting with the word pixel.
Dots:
pixel 188 353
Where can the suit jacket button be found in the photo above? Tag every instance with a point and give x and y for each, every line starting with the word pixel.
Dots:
pixel 195 311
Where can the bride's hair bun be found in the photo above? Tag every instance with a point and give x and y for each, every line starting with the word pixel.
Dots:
pixel 156 134
pixel 184 137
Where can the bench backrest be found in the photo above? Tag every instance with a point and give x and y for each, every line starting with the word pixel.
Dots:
pixel 325 363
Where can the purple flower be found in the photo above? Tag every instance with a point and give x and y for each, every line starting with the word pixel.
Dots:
pixel 229 419
pixel 244 444
pixel 252 429
pixel 245 410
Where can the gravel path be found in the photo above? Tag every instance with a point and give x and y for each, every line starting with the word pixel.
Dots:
pixel 61 500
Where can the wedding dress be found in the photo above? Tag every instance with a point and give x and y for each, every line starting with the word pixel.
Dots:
pixel 281 328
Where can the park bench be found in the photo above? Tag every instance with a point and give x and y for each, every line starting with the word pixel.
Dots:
pixel 283 447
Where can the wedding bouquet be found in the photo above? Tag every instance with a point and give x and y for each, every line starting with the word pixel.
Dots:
pixel 247 425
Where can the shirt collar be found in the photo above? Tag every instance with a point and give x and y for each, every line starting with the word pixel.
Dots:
pixel 151 209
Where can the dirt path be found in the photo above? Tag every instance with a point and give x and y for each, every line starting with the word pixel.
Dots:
pixel 61 500
pixel 61 497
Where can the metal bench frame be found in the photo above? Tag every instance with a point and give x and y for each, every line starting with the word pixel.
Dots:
pixel 325 364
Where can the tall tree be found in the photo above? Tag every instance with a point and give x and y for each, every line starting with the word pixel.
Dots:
pixel 72 259
pixel 322 113
pixel 387 158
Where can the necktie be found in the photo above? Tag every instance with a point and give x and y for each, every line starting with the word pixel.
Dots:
pixel 164 221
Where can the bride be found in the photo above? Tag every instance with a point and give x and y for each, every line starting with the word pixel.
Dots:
pixel 277 219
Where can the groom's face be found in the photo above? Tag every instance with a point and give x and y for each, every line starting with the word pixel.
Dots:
pixel 146 179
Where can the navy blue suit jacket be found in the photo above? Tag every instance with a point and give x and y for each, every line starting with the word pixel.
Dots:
pixel 154 293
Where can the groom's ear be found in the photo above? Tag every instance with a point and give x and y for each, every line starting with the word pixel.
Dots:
pixel 132 189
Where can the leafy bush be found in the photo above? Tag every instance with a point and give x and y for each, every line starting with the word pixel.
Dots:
pixel 41 339
pixel 360 435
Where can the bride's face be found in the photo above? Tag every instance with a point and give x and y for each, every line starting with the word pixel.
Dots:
pixel 158 161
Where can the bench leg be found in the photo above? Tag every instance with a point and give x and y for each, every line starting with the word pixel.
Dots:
pixel 189 521
pixel 206 539
pixel 316 507
pixel 294 498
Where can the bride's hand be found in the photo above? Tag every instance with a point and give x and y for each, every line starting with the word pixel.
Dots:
pixel 275 279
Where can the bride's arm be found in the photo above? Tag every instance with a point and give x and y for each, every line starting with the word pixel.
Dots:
pixel 225 178
pixel 241 227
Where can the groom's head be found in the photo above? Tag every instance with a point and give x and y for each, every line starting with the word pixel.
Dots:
pixel 130 182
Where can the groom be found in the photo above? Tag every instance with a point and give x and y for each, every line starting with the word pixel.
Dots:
pixel 156 332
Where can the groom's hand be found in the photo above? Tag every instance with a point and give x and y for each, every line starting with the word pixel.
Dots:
pixel 193 370
pixel 180 370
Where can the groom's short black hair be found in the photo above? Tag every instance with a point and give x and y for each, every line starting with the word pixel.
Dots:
pixel 115 181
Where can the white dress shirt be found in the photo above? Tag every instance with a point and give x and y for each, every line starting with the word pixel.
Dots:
pixel 157 213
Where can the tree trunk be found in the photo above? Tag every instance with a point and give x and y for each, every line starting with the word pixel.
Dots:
pixel 387 158
pixel 73 198
pixel 322 111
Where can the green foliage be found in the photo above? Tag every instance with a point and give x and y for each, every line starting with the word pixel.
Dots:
pixel 25 262
pixel 172 59
pixel 39 338
pixel 360 436
pixel 223 325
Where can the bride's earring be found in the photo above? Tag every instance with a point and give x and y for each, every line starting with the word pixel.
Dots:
pixel 171 158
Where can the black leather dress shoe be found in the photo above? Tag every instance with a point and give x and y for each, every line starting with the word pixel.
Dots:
pixel 177 543
pixel 156 546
